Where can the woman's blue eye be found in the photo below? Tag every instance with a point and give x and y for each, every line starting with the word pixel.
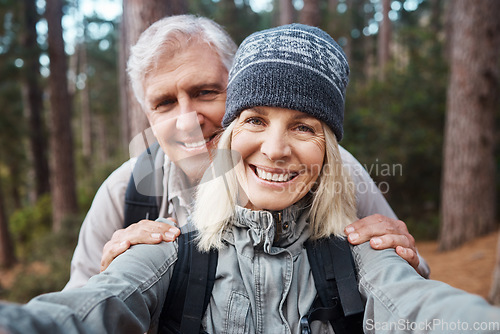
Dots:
pixel 305 128
pixel 254 121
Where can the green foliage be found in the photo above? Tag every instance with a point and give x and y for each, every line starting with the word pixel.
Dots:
pixel 28 224
pixel 236 17
pixel 46 267
pixel 397 125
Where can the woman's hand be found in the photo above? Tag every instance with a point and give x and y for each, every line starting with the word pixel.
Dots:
pixel 143 232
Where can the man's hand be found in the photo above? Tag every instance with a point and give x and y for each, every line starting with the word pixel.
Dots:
pixel 143 232
pixel 384 232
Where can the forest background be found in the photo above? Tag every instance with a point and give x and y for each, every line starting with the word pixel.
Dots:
pixel 422 106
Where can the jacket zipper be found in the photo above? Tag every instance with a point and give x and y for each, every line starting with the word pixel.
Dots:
pixel 277 217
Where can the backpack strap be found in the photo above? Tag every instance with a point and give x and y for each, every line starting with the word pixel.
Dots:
pixel 139 200
pixel 334 276
pixel 190 288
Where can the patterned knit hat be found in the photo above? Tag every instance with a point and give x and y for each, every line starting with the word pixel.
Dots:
pixel 295 67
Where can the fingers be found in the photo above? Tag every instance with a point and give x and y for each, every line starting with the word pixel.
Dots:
pixel 110 251
pixel 374 226
pixel 391 241
pixel 382 232
pixel 147 232
pixel 409 255
pixel 143 232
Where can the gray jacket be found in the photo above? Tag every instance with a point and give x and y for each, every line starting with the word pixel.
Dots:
pixel 262 287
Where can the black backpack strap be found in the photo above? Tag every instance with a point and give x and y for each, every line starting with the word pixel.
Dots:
pixel 190 288
pixel 346 276
pixel 335 279
pixel 139 200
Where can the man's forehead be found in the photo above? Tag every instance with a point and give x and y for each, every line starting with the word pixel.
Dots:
pixel 195 47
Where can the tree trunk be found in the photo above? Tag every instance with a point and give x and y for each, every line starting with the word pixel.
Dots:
pixel 86 111
pixel 468 191
pixel 436 21
pixel 494 295
pixel 102 138
pixel 448 28
pixel 34 104
pixel 331 24
pixel 310 13
pixel 286 11
pixel 384 40
pixel 63 175
pixel 7 257
pixel 137 16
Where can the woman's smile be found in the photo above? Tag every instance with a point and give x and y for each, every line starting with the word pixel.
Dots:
pixel 272 175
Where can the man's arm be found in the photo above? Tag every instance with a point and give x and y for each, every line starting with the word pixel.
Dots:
pixel 103 219
pixel 378 223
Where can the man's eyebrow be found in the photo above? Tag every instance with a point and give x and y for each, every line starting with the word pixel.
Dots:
pixel 203 86
pixel 161 97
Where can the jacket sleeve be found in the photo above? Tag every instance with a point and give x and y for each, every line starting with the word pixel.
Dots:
pixel 103 219
pixel 398 300
pixel 126 298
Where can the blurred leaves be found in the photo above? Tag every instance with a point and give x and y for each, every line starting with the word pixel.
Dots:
pixel 399 123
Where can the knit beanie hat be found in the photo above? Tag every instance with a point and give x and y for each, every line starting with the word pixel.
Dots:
pixel 295 67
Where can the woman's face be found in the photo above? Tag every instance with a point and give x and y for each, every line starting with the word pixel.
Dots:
pixel 282 153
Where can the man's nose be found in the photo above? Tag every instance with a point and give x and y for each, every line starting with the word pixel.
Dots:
pixel 276 145
pixel 188 121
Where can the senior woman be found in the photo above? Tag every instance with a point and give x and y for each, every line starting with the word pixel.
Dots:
pixel 285 186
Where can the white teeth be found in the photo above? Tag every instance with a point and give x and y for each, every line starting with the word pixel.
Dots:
pixel 196 144
pixel 272 177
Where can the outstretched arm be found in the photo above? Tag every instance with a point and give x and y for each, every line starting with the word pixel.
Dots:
pixel 399 300
pixel 126 298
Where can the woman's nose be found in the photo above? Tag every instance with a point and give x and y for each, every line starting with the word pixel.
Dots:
pixel 276 146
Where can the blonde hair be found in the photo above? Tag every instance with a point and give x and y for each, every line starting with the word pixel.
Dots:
pixel 333 201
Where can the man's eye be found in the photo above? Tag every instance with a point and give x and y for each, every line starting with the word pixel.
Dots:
pixel 164 103
pixel 207 94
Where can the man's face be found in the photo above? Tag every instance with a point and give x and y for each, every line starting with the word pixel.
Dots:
pixel 185 98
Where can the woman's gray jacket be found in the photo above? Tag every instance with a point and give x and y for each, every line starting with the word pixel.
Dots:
pixel 262 286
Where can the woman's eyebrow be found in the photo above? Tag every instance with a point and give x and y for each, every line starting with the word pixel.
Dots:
pixel 258 110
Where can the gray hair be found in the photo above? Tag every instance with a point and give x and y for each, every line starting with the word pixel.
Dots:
pixel 169 35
